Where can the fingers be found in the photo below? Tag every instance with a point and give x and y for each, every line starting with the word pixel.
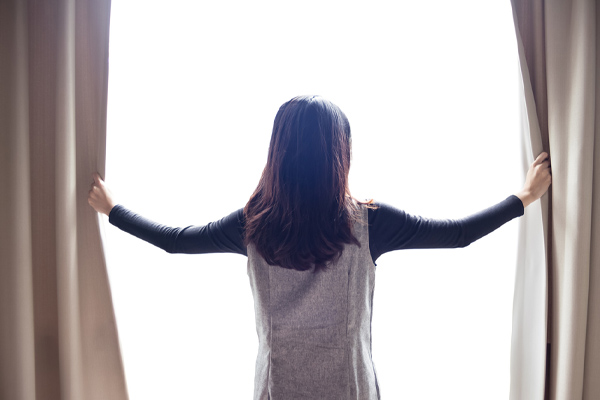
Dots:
pixel 92 197
pixel 99 196
pixel 545 164
pixel 95 198
pixel 545 173
pixel 93 194
pixel 97 179
pixel 541 158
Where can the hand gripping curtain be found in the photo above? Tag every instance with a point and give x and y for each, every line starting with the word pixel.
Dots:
pixel 58 337
pixel 556 318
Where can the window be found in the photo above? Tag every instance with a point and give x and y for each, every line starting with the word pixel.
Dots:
pixel 430 89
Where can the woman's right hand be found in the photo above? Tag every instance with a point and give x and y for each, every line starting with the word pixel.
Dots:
pixel 539 178
pixel 100 196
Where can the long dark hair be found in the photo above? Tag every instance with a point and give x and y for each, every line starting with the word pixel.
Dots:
pixel 302 212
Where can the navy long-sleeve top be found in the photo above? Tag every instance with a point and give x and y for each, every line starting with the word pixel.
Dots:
pixel 389 229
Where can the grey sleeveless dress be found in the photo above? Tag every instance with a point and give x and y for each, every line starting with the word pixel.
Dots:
pixel 314 330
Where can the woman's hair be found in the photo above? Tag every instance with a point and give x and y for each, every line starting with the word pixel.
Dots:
pixel 302 212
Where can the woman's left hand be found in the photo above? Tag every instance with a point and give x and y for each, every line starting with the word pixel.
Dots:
pixel 100 196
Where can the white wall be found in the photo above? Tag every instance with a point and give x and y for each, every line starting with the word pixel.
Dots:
pixel 430 91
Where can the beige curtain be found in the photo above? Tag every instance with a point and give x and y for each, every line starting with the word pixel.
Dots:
pixel 556 320
pixel 58 336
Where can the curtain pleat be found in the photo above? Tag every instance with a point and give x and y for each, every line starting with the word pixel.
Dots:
pixel 58 337
pixel 529 326
pixel 571 69
pixel 559 42
pixel 591 383
pixel 17 358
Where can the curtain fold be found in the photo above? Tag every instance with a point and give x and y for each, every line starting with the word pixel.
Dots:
pixel 529 327
pixel 58 337
pixel 559 53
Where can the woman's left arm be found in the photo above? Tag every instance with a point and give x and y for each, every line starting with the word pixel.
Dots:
pixel 222 236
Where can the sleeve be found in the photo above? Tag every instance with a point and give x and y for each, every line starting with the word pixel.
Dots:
pixel 222 236
pixel 393 229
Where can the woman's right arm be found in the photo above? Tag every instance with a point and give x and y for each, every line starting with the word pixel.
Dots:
pixel 393 229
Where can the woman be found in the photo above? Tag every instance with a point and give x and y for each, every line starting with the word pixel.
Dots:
pixel 311 251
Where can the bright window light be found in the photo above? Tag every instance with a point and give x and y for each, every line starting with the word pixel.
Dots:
pixel 430 89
